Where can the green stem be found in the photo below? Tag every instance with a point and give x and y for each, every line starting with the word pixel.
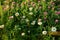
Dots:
pixel 1 12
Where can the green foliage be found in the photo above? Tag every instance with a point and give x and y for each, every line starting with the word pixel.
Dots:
pixel 28 19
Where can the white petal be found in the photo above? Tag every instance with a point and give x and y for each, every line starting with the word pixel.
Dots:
pixel 22 34
pixel 17 14
pixel 44 32
pixel 39 23
pixel 30 9
pixel 53 29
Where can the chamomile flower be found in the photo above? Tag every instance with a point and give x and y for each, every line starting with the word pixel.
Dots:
pixel 44 32
pixel 39 23
pixel 39 20
pixel 23 16
pixel 17 14
pixel 11 17
pixel 53 29
pixel 33 23
pixel 30 9
pixel 22 34
pixel 31 13
pixel 28 31
pixel 27 20
pixel 1 26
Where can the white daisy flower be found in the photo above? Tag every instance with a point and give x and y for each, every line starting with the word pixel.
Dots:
pixel 30 9
pixel 44 32
pixel 54 0
pixel 31 13
pixel 53 29
pixel 29 31
pixel 33 23
pixel 27 20
pixel 24 16
pixel 1 26
pixel 17 14
pixel 39 20
pixel 11 17
pixel 7 6
pixel 39 23
pixel 22 34
pixel 19 28
pixel 44 0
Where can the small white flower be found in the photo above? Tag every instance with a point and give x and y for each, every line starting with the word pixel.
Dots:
pixel 22 34
pixel 30 9
pixel 44 0
pixel 29 31
pixel 54 0
pixel 11 17
pixel 19 28
pixel 1 26
pixel 56 20
pixel 39 20
pixel 31 13
pixel 33 23
pixel 24 16
pixel 53 29
pixel 44 32
pixel 39 23
pixel 27 20
pixel 17 14
pixel 7 6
